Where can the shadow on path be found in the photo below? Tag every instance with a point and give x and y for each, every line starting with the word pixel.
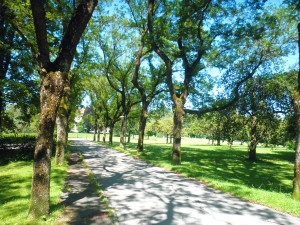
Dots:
pixel 83 204
pixel 144 194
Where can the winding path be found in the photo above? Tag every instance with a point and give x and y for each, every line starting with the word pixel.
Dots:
pixel 144 194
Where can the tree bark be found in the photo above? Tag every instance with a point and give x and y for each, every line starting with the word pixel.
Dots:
pixel 54 77
pixel 7 37
pixel 122 131
pixel 111 133
pixel 62 129
pixel 296 181
pixel 142 126
pixel 95 130
pixel 253 141
pixel 50 96
pixel 128 138
pixel 104 134
pixel 98 129
pixel 178 121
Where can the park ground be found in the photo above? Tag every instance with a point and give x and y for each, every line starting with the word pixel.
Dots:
pixel 267 181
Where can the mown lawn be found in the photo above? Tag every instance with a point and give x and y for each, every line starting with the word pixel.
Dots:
pixel 15 187
pixel 267 181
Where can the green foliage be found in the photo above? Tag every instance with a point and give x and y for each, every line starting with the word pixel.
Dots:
pixel 291 145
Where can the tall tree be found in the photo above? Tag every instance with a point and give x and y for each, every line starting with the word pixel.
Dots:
pixel 53 78
pixel 138 12
pixel 296 101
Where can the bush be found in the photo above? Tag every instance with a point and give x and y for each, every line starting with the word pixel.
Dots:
pixel 291 145
pixel 16 148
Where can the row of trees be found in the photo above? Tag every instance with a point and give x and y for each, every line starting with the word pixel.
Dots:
pixel 178 45
pixel 196 56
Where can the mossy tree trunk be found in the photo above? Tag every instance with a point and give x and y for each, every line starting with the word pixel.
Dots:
pixel 53 79
pixel 178 121
pixel 104 134
pixel 99 131
pixel 111 133
pixel 62 129
pixel 142 126
pixel 253 138
pixel 95 130
pixel 122 131
pixel 50 95
pixel 296 182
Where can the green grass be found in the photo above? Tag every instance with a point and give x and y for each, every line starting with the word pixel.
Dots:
pixel 88 136
pixel 267 181
pixel 15 187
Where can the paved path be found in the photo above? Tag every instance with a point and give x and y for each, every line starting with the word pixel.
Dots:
pixel 144 194
pixel 82 203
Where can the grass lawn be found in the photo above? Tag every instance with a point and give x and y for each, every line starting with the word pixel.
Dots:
pixel 15 187
pixel 267 181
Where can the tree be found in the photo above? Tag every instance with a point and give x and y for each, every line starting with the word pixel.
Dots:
pixel 147 85
pixel 54 75
pixel 106 100
pixel 192 43
pixel 18 83
pixel 296 102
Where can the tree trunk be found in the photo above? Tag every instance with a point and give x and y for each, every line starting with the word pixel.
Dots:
pixel 122 131
pixel 230 143
pixel 104 134
pixel 7 37
pixel 178 121
pixel 218 141
pixel 50 96
pixel 54 77
pixel 98 136
pixel 95 130
pixel 167 141
pixel 296 181
pixel 253 141
pixel 142 126
pixel 128 138
pixel 111 133
pixel 62 130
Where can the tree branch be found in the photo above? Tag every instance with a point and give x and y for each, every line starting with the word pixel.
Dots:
pixel 235 92
pixel 39 20
pixel 73 33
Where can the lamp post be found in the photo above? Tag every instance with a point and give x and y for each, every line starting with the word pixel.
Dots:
pixel 124 144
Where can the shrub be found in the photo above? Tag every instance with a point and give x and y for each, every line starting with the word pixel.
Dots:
pixel 16 148
pixel 290 145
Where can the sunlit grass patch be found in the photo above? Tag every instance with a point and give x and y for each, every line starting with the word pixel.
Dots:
pixel 15 187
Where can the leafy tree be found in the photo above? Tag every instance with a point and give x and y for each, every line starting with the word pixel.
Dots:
pixel 72 96
pixel 18 84
pixel 54 74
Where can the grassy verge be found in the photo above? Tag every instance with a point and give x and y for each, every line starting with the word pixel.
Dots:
pixel 267 181
pixel 15 187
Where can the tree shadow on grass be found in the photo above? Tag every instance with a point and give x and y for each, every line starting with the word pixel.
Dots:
pixel 272 172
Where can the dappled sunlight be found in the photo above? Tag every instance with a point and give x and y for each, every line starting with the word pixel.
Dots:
pixel 145 194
